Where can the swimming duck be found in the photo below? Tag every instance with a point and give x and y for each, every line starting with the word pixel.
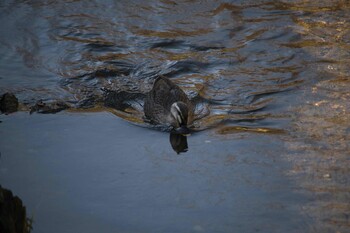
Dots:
pixel 166 104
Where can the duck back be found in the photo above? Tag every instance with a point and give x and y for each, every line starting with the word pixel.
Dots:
pixel 159 100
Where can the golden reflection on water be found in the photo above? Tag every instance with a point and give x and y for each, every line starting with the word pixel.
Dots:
pixel 240 129
pixel 170 34
pixel 130 115
pixel 320 153
pixel 320 143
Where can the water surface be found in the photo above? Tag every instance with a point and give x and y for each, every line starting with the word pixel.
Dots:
pixel 272 78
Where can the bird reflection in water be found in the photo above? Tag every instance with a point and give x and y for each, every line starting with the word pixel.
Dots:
pixel 178 142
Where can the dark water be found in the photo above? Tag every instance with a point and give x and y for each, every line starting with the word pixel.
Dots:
pixel 271 84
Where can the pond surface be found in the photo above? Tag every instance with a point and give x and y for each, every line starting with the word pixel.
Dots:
pixel 272 151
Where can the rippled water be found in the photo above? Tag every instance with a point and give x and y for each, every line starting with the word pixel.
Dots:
pixel 278 68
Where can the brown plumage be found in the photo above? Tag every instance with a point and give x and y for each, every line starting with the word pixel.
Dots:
pixel 167 104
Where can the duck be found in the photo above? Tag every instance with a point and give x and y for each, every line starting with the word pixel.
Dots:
pixel 167 104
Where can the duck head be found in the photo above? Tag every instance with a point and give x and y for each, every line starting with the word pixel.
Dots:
pixel 179 111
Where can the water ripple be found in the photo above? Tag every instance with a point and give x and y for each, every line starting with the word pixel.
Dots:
pixel 253 67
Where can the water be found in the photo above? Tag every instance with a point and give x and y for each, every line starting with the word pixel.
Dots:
pixel 272 78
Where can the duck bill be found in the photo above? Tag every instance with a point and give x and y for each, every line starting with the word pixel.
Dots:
pixel 183 130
